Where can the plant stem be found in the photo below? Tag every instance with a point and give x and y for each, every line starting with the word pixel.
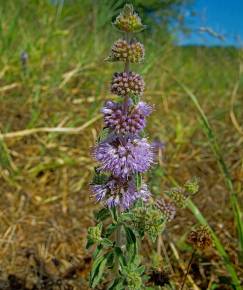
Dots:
pixel 126 70
pixel 119 244
pixel 187 270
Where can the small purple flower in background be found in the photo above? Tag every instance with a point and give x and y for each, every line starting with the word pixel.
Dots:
pixel 133 122
pixel 24 57
pixel 124 156
pixel 127 83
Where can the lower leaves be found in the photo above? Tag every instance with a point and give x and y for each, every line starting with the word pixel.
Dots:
pixel 118 261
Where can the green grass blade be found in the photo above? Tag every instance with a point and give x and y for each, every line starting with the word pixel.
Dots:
pixel 220 248
pixel 5 158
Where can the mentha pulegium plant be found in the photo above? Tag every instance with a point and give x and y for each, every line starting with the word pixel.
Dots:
pixel 124 154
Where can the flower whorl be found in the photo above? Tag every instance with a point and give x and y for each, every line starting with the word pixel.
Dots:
pixel 120 192
pixel 124 157
pixel 131 123
pixel 126 83
pixel 167 209
pixel 123 51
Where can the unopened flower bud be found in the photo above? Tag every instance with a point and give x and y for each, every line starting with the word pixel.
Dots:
pixel 127 84
pixel 192 186
pixel 178 196
pixel 128 20
pixel 148 220
pixel 123 51
pixel 134 280
pixel 94 233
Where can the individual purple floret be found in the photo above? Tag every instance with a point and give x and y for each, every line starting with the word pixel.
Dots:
pixel 124 156
pixel 132 122
pixel 118 192
pixel 126 83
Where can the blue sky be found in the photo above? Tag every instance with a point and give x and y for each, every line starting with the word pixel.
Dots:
pixel 215 17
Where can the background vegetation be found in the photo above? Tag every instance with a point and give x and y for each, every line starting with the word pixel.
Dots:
pixel 45 204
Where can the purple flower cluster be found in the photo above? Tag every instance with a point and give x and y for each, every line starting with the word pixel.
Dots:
pixel 131 123
pixel 167 208
pixel 120 192
pixel 124 154
pixel 127 83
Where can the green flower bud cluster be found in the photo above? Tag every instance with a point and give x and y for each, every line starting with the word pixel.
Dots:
pixel 148 221
pixel 94 233
pixel 133 273
pixel 134 280
pixel 180 194
pixel 128 20
pixel 177 194
pixel 123 51
pixel 95 237
pixel 154 223
pixel 192 186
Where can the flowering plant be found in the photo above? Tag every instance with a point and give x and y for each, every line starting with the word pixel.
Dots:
pixel 123 152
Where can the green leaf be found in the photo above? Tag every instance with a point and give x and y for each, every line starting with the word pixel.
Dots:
pixel 103 135
pixel 110 260
pixel 106 242
pixel 98 269
pixel 135 99
pixel 97 251
pixel 99 178
pixel 102 214
pixel 118 252
pixel 125 217
pixel 95 268
pixel 89 243
pixel 114 214
pixel 110 229
pixel 140 270
pixel 98 273
pixel 117 284
pixel 131 244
